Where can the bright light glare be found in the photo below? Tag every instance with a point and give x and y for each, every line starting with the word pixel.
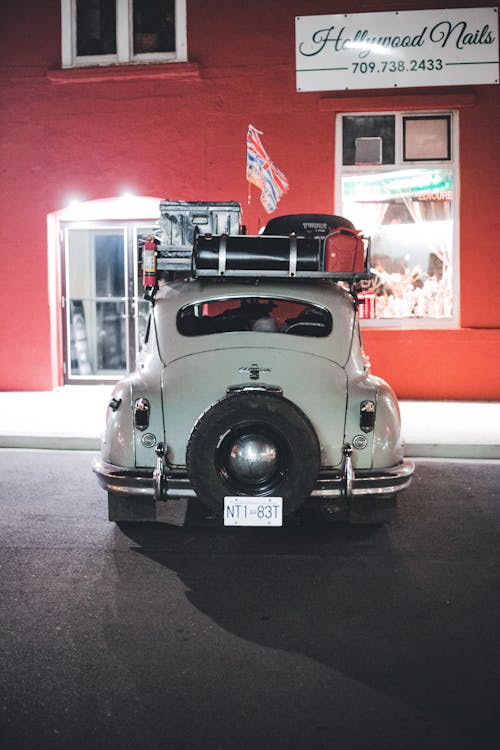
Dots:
pixel 377 49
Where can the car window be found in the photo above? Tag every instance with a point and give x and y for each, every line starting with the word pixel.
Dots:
pixel 255 314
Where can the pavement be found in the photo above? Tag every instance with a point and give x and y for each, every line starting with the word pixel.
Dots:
pixel 72 418
pixel 200 637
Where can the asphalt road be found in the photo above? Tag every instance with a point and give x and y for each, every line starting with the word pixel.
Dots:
pixel 196 636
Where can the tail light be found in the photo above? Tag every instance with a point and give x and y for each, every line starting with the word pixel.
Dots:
pixel 367 416
pixel 141 414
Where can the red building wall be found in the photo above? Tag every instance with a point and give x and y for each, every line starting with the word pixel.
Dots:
pixel 179 131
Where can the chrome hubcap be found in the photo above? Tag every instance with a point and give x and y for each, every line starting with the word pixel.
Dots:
pixel 253 459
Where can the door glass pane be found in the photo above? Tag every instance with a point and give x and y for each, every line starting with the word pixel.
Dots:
pixel 95 27
pixel 96 302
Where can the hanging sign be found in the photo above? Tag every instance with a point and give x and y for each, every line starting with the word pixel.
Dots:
pixel 398 49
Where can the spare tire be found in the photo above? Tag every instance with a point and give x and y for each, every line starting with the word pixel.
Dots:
pixel 253 444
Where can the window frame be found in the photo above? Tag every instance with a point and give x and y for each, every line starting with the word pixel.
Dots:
pixel 124 39
pixel 134 304
pixel 445 118
pixel 452 163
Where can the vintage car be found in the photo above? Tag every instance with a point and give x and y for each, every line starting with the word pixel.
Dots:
pixel 254 395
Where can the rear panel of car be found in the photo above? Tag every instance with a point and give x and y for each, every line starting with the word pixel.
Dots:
pixel 315 384
pixel 203 362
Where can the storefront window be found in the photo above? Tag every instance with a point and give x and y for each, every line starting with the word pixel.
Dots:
pixel 408 209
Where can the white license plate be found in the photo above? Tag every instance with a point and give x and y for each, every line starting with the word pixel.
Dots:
pixel 253 511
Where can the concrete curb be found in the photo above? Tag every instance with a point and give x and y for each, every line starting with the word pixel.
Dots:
pixel 50 442
pixel 72 418
pixel 453 450
pixel 90 443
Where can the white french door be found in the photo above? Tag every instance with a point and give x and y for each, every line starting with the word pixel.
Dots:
pixel 104 314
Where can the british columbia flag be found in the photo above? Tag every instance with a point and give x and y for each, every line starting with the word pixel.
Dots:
pixel 262 173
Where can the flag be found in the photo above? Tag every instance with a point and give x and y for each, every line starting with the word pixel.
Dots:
pixel 262 173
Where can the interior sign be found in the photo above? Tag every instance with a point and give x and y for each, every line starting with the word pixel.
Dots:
pixel 402 48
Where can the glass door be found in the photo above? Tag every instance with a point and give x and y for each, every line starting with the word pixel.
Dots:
pixel 104 312
pixel 95 302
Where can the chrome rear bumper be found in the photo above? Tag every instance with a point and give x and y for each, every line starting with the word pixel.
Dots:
pixel 366 482
pixel 329 485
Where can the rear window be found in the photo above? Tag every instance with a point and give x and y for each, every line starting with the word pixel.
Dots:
pixel 254 314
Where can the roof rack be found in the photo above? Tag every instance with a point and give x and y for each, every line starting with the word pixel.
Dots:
pixel 341 255
pixel 207 240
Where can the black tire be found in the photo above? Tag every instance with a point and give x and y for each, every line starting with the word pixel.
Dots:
pixel 130 508
pixel 246 416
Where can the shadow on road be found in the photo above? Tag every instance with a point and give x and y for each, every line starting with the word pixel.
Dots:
pixel 408 623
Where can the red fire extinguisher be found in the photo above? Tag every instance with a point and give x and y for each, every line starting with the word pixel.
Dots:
pixel 149 263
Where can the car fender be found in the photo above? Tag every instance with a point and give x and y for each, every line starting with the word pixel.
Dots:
pixel 387 444
pixel 118 437
pixel 146 385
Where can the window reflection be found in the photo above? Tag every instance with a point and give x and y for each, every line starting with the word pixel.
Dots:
pixel 154 26
pixel 408 214
pixel 96 27
pixel 254 314
pixel 96 301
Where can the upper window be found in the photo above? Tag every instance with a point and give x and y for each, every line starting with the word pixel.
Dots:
pixel 397 182
pixel 110 32
pixel 254 314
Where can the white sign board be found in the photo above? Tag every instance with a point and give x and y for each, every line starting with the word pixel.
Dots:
pixel 402 48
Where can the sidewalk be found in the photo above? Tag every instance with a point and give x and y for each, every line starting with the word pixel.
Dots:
pixel 72 418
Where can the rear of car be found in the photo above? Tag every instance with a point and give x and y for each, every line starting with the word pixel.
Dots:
pixel 256 400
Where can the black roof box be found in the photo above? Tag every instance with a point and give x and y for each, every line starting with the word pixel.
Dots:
pixel 302 224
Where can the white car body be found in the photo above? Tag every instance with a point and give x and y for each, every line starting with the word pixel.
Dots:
pixel 337 408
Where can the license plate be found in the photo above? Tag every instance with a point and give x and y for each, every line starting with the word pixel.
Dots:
pixel 253 511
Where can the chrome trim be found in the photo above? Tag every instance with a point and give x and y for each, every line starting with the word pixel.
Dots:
pixel 293 255
pixel 254 370
pixel 222 255
pixel 176 484
pixel 159 471
pixel 347 472
pixel 114 403
pixel 360 442
pixel 368 481
pixel 238 388
pixel 122 480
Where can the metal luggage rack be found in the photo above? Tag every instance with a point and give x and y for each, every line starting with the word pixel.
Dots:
pixel 261 256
